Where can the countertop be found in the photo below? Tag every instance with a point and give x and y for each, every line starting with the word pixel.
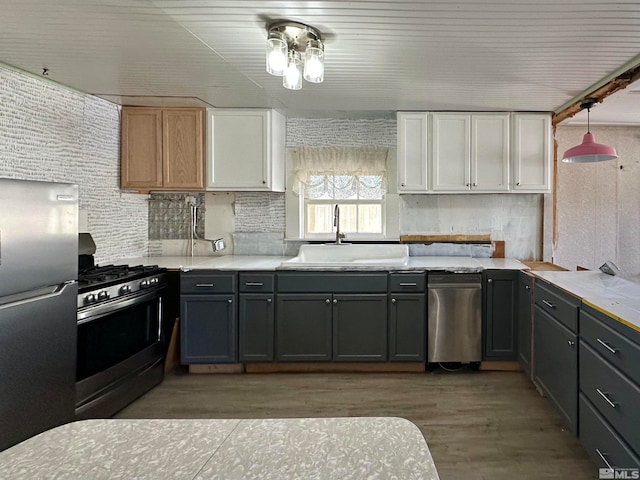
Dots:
pixel 256 263
pixel 616 297
pixel 270 449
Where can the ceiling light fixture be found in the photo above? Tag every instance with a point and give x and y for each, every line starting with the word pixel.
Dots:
pixel 589 151
pixel 295 51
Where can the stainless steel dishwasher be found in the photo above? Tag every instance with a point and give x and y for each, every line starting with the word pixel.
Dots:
pixel 454 317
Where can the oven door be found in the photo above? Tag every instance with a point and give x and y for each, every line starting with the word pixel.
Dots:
pixel 117 342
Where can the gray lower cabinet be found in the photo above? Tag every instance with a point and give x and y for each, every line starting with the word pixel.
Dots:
pixel 322 316
pixel 556 365
pixel 304 326
pixel 500 315
pixel 555 349
pixel 407 327
pixel 525 317
pixel 407 317
pixel 256 316
pixel 603 444
pixel 208 329
pixel 360 328
pixel 609 390
pixel 208 317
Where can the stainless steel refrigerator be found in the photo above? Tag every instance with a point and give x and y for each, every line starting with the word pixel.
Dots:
pixel 38 296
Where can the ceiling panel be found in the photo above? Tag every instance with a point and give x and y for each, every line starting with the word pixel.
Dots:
pixel 381 56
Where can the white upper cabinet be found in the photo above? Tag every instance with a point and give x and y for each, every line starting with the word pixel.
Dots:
pixel 470 152
pixel 490 152
pixel 531 152
pixel 451 167
pixel 245 150
pixel 412 152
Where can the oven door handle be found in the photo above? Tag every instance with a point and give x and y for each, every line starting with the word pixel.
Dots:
pixel 159 319
pixel 104 309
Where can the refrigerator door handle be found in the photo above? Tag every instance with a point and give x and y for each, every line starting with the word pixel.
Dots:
pixel 34 295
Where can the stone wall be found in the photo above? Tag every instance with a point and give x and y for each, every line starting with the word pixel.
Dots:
pixel 52 133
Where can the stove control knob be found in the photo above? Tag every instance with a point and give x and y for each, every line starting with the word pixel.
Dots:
pixel 89 299
pixel 103 295
pixel 125 289
pixel 144 283
pixel 153 281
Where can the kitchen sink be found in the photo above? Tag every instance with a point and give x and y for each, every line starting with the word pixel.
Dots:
pixel 350 254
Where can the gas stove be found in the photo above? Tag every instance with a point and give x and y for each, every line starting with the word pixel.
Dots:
pixel 106 283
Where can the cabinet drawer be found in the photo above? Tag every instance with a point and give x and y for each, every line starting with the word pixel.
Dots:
pixel 562 306
pixel 613 346
pixel 256 282
pixel 207 283
pixel 407 282
pixel 321 282
pixel 614 395
pixel 601 441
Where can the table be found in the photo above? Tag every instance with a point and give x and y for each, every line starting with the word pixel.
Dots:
pixel 267 449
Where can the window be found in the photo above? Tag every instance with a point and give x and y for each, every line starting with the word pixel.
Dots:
pixel 354 178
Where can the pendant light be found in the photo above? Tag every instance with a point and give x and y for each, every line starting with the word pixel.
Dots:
pixel 589 151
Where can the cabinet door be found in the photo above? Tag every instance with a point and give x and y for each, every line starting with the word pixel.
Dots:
pixel 407 327
pixel 525 302
pixel 360 328
pixel 451 152
pixel 208 329
pixel 555 366
pixel 239 150
pixel 532 144
pixel 255 327
pixel 412 152
pixel 303 327
pixel 490 152
pixel 183 148
pixel 141 149
pixel 500 318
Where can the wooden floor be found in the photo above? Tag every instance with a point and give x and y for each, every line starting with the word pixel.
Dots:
pixel 478 425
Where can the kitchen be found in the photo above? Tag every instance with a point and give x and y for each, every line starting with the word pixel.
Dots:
pixel 57 133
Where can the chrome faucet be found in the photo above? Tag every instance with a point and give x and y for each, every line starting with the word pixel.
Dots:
pixel 336 223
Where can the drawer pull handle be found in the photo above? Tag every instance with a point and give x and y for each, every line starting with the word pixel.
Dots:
pixel 548 304
pixel 393 300
pixel 254 284
pixel 327 301
pixel 607 399
pixel 229 301
pixel 409 284
pixel 607 346
pixel 335 301
pixel 527 287
pixel 202 285
pixel 268 300
pixel 571 343
pixel 602 456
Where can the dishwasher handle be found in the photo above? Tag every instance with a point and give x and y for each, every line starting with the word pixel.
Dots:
pixel 433 286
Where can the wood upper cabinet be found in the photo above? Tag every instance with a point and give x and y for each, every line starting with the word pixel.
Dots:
pixel 245 150
pixel 162 149
pixel 470 152
pixel 532 142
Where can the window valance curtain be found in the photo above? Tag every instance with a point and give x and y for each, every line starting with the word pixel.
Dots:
pixel 339 172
